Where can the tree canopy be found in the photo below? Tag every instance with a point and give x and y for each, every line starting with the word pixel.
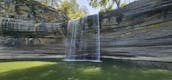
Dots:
pixel 69 7
pixel 72 9
pixel 106 5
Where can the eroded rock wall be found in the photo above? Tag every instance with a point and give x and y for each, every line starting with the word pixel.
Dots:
pixel 24 29
pixel 142 28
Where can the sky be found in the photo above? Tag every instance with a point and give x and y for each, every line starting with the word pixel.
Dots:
pixel 91 10
pixel 94 10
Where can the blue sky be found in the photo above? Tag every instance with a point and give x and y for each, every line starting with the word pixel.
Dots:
pixel 86 4
pixel 94 10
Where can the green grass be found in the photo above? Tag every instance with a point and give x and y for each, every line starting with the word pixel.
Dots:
pixel 9 66
pixel 40 70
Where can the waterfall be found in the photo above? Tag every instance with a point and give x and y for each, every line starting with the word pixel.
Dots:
pixel 83 39
pixel 98 37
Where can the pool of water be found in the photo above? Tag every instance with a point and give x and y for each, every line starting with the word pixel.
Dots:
pixel 106 70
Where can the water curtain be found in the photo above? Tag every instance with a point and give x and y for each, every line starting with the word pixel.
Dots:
pixel 83 39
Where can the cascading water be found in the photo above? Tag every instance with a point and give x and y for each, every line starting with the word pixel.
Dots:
pixel 83 39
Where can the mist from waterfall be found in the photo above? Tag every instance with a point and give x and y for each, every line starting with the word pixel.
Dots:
pixel 83 39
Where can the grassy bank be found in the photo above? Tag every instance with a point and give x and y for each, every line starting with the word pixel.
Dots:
pixel 41 70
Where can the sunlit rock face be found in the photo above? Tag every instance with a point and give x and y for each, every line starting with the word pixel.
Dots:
pixel 142 28
pixel 27 26
pixel 30 9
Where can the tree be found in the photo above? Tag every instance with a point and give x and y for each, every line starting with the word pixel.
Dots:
pixel 106 5
pixel 72 9
pixel 69 7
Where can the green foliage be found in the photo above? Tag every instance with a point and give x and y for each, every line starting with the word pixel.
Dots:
pixel 123 4
pixel 106 5
pixel 72 9
pixel 69 7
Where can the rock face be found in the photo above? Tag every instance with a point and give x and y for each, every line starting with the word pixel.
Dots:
pixel 30 10
pixel 25 27
pixel 142 28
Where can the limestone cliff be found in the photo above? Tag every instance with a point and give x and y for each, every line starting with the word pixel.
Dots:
pixel 23 28
pixel 142 28
pixel 30 10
